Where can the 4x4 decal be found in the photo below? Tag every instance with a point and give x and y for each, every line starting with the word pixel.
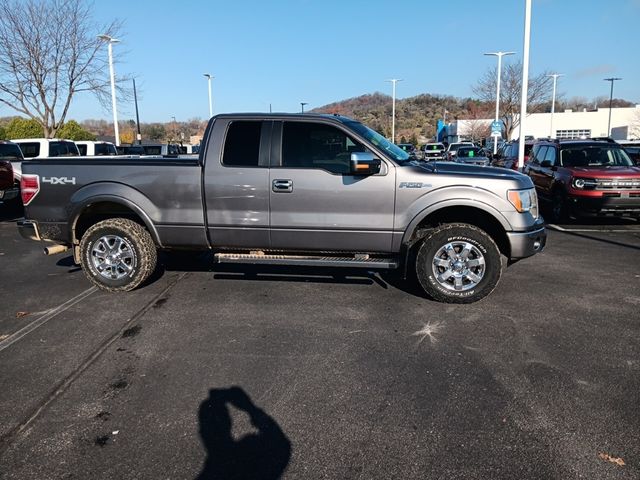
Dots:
pixel 59 180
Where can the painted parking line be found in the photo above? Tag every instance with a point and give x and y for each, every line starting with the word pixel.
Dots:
pixel 38 322
pixel 593 230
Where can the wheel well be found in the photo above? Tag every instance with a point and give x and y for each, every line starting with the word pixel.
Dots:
pixel 96 212
pixel 472 216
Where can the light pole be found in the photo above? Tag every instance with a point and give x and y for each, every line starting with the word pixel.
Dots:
pixel 135 99
pixel 553 100
pixel 499 55
pixel 525 81
pixel 110 41
pixel 302 104
pixel 612 79
pixel 209 77
pixel 393 108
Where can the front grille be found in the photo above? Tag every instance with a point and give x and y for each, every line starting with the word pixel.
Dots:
pixel 618 184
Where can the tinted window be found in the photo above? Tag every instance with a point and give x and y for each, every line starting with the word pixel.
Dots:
pixel 242 144
pixel 534 153
pixel 153 149
pixel 104 149
pixel 59 149
pixel 30 150
pixel 8 150
pixel 313 145
pixel 82 149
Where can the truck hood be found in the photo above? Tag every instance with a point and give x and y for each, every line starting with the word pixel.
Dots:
pixel 472 172
pixel 606 172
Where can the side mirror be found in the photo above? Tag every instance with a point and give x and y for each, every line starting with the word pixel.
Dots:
pixel 364 163
pixel 545 163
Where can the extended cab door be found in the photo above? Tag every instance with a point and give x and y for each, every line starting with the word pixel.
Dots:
pixel 236 183
pixel 316 203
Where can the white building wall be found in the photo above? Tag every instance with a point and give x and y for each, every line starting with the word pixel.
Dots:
pixel 625 124
pixel 538 124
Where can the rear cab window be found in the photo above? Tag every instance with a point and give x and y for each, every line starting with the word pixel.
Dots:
pixel 11 152
pixel 30 149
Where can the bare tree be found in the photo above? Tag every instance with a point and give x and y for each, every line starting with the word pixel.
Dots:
pixel 49 52
pixel 539 92
pixel 477 129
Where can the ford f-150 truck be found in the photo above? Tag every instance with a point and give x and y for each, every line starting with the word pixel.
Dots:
pixel 287 189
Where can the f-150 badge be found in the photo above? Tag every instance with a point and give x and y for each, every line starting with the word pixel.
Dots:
pixel 59 180
pixel 413 185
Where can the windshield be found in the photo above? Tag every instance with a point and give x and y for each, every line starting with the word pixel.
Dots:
pixel 394 152
pixel 435 146
pixel 8 150
pixel 595 156
pixel 469 152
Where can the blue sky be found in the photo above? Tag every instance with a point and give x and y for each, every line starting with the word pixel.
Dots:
pixel 319 51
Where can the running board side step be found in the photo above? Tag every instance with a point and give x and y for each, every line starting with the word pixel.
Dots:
pixel 307 260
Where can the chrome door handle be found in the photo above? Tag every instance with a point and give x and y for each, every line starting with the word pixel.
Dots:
pixel 282 186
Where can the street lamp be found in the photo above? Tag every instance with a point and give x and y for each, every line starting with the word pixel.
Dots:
pixel 110 41
pixel 393 108
pixel 553 101
pixel 209 77
pixel 612 79
pixel 302 104
pixel 525 81
pixel 499 55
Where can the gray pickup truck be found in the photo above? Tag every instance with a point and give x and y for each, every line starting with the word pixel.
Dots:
pixel 310 190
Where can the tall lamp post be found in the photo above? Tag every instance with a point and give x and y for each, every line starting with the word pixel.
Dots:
pixel 525 81
pixel 499 55
pixel 209 77
pixel 612 79
pixel 393 108
pixel 302 104
pixel 110 41
pixel 553 100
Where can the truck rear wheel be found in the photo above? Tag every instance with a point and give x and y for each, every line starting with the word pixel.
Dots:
pixel 458 263
pixel 117 254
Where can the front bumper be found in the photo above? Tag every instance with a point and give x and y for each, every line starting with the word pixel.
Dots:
pixel 526 244
pixel 28 230
pixel 626 203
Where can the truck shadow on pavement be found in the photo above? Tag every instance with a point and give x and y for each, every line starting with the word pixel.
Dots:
pixel 262 454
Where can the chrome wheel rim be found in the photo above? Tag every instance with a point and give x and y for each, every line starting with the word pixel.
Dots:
pixel 113 257
pixel 458 266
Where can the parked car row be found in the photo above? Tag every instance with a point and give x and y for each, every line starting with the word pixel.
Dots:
pixel 573 178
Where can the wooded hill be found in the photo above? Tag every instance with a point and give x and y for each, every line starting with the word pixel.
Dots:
pixel 416 117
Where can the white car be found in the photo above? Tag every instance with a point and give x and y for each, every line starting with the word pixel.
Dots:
pixel 47 147
pixel 90 148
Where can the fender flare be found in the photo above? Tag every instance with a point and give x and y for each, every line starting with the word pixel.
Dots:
pixel 82 205
pixel 453 202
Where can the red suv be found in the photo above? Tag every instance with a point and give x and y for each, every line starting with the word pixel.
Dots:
pixel 585 178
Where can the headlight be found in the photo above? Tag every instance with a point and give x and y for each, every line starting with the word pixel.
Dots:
pixel 524 200
pixel 581 183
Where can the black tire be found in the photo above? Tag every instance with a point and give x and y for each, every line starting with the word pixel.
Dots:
pixel 559 208
pixel 138 247
pixel 483 248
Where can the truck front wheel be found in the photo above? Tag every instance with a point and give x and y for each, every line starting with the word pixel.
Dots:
pixel 458 263
pixel 117 254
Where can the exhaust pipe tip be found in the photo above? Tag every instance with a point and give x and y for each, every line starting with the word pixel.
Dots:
pixel 54 249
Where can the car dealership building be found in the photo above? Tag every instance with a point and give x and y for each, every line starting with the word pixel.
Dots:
pixel 625 125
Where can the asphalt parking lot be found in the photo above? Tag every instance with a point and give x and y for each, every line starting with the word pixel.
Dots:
pixel 299 373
